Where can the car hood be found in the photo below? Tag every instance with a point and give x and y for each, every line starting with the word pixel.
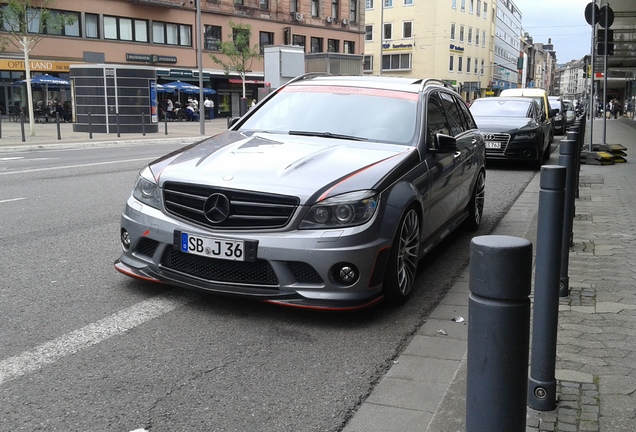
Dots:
pixel 504 124
pixel 302 166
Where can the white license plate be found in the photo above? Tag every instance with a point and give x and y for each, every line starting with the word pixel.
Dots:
pixel 233 250
pixel 493 145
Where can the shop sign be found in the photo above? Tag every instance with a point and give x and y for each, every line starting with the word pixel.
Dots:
pixel 36 65
pixel 456 48
pixel 180 73
pixel 150 58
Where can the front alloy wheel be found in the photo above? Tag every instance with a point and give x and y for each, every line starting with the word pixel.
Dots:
pixel 476 204
pixel 403 259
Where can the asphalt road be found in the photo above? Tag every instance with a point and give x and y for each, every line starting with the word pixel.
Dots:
pixel 83 347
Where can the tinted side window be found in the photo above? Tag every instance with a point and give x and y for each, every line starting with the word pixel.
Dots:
pixel 454 117
pixel 469 123
pixel 436 120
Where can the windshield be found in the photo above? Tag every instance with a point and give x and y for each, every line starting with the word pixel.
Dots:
pixel 500 108
pixel 339 112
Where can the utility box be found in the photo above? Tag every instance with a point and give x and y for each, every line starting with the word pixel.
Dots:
pixel 334 63
pixel 282 63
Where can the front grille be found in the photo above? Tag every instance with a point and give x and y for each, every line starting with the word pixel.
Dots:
pixel 246 209
pixel 304 273
pixel 214 270
pixel 501 138
pixel 146 246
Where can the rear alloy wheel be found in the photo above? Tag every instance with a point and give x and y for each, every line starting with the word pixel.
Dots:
pixel 403 259
pixel 476 204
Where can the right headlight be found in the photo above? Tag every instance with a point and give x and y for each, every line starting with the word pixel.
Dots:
pixel 346 210
pixel 146 189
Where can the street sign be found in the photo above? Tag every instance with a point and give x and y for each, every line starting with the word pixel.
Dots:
pixel 591 11
pixel 606 17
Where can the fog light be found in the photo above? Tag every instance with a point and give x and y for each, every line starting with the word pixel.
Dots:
pixel 125 239
pixel 345 273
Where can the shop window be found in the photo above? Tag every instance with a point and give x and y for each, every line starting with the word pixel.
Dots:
pixel 213 38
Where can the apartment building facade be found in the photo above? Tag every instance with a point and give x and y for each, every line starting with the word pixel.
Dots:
pixel 162 34
pixel 507 46
pixel 446 39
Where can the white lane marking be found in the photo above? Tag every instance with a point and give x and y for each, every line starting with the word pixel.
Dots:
pixel 75 166
pixel 118 323
pixel 12 200
pixel 11 158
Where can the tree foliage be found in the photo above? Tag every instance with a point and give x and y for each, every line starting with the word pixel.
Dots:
pixel 240 55
pixel 24 23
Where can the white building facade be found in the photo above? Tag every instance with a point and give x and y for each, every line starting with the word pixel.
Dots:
pixel 507 46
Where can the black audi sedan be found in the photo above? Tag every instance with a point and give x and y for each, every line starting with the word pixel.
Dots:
pixel 513 128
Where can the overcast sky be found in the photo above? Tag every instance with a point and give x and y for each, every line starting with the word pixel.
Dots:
pixel 561 20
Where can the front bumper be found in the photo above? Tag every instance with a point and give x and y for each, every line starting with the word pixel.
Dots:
pixel 296 268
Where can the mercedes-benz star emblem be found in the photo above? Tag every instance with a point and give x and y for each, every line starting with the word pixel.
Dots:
pixel 216 208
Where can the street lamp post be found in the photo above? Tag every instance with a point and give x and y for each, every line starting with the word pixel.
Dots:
pixel 200 65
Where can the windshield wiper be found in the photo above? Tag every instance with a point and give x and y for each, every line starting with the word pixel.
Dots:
pixel 327 135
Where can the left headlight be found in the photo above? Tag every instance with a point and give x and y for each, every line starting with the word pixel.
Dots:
pixel 351 209
pixel 146 189
pixel 525 136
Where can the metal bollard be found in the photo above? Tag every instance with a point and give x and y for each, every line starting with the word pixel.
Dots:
pixel 574 135
pixel 567 158
pixel 542 383
pixel 165 118
pixel 90 127
pixel 57 123
pixel 22 126
pixel 498 333
pixel 143 123
pixel 0 126
pixel 117 121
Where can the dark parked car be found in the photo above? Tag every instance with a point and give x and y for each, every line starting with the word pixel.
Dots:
pixel 514 128
pixel 570 113
pixel 560 119
pixel 325 195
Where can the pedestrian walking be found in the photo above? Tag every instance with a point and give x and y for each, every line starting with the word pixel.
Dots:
pixel 630 109
pixel 208 104
pixel 614 108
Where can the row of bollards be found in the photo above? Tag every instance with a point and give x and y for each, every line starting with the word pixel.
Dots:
pixel 500 386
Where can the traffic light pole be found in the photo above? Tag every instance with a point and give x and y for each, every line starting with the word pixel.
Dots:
pixel 592 105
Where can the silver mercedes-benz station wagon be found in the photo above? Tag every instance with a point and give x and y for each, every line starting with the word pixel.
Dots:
pixel 325 195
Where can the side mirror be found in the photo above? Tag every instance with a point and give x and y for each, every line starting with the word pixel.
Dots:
pixel 553 112
pixel 231 121
pixel 446 143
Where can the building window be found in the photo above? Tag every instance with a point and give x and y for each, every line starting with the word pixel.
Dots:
pixel 171 34
pixel 316 45
pixel 483 38
pixel 459 64
pixel 368 32
pixel 468 65
pixel 396 61
pixel 463 5
pixel 264 4
pixel 126 29
pixel 470 35
pixel 299 40
pixel 333 45
pixel 238 2
pixel 353 11
pixel 368 4
pixel 349 47
pixel 407 29
pixel 367 63
pixel 482 67
pixel 472 6
pixel 335 7
pixel 315 8
pixel 37 26
pixel 388 31
pixel 293 6
pixel 91 26
pixel 265 39
pixel 72 29
pixel 461 33
pixel 452 31
pixel 475 66
pixel 479 7
pixel 450 63
pixel 388 3
pixel 454 4
pixel 485 9
pixel 212 37
pixel 408 2
pixel 476 37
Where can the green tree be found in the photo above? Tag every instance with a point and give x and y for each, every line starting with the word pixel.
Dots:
pixel 240 55
pixel 24 23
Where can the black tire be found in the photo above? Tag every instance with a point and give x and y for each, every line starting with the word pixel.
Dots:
pixel 401 269
pixel 476 203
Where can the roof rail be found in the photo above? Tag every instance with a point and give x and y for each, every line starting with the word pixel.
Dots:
pixel 427 81
pixel 305 76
